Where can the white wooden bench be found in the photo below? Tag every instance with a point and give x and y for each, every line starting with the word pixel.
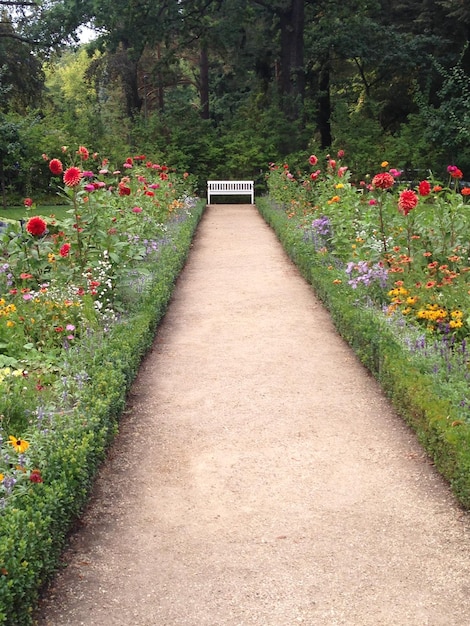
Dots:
pixel 230 188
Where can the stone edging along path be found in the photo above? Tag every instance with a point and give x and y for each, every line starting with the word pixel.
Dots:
pixel 260 476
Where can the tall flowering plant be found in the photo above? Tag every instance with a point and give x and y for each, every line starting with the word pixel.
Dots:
pixel 65 284
pixel 60 276
pixel 415 240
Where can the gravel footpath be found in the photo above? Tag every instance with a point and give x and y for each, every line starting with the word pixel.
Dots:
pixel 260 476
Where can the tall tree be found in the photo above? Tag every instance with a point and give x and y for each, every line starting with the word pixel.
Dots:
pixel 290 18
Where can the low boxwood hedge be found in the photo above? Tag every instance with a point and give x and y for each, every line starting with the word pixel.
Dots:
pixel 417 398
pixel 33 528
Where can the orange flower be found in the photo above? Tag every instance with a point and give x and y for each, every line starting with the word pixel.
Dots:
pixel 465 191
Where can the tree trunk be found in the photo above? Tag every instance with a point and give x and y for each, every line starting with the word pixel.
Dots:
pixel 126 68
pixel 204 82
pixel 292 74
pixel 324 106
pixel 2 184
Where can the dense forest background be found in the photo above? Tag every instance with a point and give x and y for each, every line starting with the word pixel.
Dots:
pixel 220 88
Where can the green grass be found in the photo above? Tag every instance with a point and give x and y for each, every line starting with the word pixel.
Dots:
pixel 20 212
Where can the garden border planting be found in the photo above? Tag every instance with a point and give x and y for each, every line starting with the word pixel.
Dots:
pixel 437 423
pixel 34 528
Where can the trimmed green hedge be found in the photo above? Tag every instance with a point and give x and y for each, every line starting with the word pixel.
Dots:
pixel 442 433
pixel 33 529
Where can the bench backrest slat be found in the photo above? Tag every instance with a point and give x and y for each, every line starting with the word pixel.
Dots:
pixel 230 188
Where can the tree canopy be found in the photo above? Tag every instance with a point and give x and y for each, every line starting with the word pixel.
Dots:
pixel 236 83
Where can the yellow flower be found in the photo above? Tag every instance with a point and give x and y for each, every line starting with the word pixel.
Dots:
pixel 51 257
pixel 10 324
pixel 19 445
pixel 339 186
pixel 384 164
pixel 1 477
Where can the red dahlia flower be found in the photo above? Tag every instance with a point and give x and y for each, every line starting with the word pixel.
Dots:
pixel 64 250
pixel 407 201
pixel 35 476
pixel 383 180
pixel 123 190
pixel 83 153
pixel 313 160
pixel 28 202
pixel 454 171
pixel 72 176
pixel 36 226
pixel 56 167
pixel 424 188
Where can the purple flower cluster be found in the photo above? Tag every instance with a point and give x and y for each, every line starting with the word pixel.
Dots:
pixel 5 269
pixel 322 225
pixel 319 233
pixel 364 273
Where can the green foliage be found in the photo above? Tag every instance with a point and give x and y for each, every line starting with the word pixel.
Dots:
pixel 359 134
pixel 447 122
pixel 157 68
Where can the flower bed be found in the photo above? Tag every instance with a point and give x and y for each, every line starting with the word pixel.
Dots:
pixel 80 302
pixel 391 263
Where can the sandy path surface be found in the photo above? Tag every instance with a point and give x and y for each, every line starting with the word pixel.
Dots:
pixel 260 476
